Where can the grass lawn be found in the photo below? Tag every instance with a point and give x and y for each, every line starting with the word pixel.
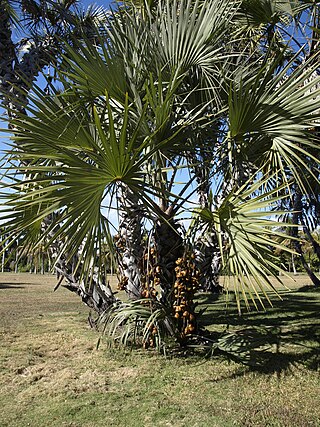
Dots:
pixel 52 375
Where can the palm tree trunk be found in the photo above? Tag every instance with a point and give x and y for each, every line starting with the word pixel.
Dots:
pixel 314 243
pixel 98 296
pixel 7 56
pixel 129 243
pixel 18 73
pixel 3 261
pixel 297 208
pixel 208 259
pixel 169 247
pixel 293 265
pixel 208 262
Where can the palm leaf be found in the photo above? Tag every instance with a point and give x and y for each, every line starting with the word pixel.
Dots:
pixel 71 163
pixel 246 239
pixel 269 119
pixel 139 322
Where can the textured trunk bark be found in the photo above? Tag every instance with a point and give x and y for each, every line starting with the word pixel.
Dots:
pixel 7 55
pixel 293 265
pixel 98 296
pixel 169 247
pixel 18 73
pixel 315 244
pixel 3 261
pixel 208 258
pixel 129 243
pixel 297 208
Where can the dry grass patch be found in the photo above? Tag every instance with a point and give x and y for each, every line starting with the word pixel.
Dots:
pixel 51 374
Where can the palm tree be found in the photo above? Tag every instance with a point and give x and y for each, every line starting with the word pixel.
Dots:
pixel 153 95
pixel 40 25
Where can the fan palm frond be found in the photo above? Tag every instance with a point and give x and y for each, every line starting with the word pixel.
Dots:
pixel 246 227
pixel 141 322
pixel 269 119
pixel 73 162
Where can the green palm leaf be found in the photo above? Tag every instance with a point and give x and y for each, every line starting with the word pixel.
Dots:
pixel 246 239
pixel 269 118
pixel 72 163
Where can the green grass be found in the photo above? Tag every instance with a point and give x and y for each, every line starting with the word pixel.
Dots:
pixel 51 373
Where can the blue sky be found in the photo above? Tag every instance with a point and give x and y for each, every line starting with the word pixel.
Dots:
pixel 104 3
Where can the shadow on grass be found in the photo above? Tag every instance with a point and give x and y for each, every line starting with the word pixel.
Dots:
pixel 268 341
pixel 11 286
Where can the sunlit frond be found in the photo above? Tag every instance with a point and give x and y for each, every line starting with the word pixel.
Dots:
pixel 246 226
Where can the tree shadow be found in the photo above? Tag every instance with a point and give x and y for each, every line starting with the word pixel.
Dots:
pixel 12 286
pixel 271 341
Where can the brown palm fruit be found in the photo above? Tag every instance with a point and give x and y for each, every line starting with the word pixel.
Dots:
pixel 191 328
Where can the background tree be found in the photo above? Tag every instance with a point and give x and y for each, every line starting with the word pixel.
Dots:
pixel 41 26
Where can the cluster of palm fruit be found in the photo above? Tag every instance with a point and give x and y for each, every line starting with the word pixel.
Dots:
pixel 122 283
pixel 152 337
pixel 150 277
pixel 185 287
pixel 120 243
